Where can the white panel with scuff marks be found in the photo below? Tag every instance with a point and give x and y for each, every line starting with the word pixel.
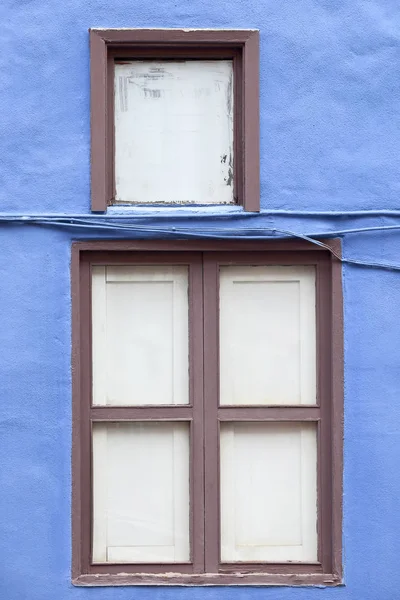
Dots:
pixel 174 131
pixel 268 492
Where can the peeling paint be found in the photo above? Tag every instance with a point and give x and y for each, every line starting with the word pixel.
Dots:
pixel 229 179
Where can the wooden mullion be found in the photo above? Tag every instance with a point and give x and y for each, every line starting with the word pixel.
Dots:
pixel 196 399
pixel 269 413
pixel 211 430
pixel 141 413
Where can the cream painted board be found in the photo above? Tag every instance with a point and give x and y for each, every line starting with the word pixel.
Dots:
pixel 268 492
pixel 174 131
pixel 140 492
pixel 140 335
pixel 267 335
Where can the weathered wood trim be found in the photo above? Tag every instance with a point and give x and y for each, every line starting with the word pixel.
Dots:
pixel 237 579
pixel 224 246
pixel 242 46
pixel 328 413
pixel 99 109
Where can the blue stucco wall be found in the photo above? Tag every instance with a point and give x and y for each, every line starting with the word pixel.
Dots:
pixel 330 141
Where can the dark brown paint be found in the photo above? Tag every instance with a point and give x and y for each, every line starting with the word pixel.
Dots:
pixel 242 46
pixel 204 258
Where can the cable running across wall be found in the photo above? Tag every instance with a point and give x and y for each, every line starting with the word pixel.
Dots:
pixel 110 223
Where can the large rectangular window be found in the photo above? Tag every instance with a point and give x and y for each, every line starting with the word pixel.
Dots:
pixel 207 413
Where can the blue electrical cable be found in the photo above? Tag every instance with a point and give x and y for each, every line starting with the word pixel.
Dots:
pixel 107 223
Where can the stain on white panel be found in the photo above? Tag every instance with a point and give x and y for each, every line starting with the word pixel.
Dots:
pixel 174 132
pixel 267 335
pixel 268 492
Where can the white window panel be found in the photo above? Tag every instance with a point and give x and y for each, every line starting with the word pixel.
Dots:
pixel 174 131
pixel 140 492
pixel 267 335
pixel 140 335
pixel 268 492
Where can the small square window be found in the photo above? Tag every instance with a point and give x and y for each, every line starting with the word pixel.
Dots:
pixel 174 117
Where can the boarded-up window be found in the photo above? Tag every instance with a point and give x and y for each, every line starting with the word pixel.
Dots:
pixel 174 132
pixel 175 117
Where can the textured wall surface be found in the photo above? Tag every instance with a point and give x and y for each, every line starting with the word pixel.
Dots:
pixel 330 141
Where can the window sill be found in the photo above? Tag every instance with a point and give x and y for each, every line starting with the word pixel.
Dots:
pixel 166 210
pixel 210 579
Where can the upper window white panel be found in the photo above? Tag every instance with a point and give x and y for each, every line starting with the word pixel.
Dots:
pixel 140 332
pixel 267 335
pixel 174 131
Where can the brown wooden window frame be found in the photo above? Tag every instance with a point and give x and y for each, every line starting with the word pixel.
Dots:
pixel 240 46
pixel 204 414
